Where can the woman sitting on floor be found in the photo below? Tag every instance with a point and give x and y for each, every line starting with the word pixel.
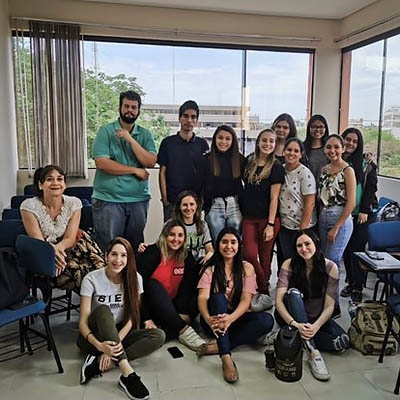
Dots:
pixel 305 299
pixel 110 318
pixel 55 217
pixel 187 210
pixel 170 279
pixel 225 291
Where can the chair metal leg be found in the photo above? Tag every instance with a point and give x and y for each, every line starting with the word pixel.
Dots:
pixel 397 387
pixel 69 294
pixel 390 317
pixel 52 343
pixel 21 336
pixel 376 290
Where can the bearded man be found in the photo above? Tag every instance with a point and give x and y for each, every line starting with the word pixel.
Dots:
pixel 122 151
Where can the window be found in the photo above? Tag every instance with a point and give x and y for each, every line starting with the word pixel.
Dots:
pixel 277 83
pixel 374 101
pixel 167 75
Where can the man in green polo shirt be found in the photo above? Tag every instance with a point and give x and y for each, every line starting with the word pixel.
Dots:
pixel 122 151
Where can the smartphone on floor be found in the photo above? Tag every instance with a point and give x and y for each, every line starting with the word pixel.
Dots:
pixel 175 352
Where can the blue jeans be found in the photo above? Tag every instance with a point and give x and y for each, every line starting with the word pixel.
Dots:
pixel 326 339
pixel 245 330
pixel 224 212
pixel 119 219
pixel 327 218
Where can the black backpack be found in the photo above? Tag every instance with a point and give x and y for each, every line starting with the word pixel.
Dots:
pixel 289 354
pixel 389 212
pixel 12 279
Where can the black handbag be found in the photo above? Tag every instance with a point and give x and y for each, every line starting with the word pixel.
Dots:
pixel 289 354
pixel 12 279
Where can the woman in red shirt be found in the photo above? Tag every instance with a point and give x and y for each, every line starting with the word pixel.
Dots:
pixel 170 279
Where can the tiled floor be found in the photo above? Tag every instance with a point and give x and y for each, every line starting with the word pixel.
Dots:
pixel 353 376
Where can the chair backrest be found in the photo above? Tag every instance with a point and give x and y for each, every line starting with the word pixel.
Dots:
pixel 37 256
pixel 86 218
pixel 384 236
pixel 9 231
pixel 30 189
pixel 11 213
pixel 82 192
pixel 17 200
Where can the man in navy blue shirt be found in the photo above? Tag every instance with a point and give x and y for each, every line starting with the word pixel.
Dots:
pixel 180 159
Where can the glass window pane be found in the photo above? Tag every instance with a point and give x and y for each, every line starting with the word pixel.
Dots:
pixel 277 83
pixel 365 92
pixel 166 76
pixel 390 145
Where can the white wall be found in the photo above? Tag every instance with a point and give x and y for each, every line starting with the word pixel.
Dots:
pixel 8 147
pixel 327 85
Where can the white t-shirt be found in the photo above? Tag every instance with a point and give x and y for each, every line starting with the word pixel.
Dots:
pixel 298 183
pixel 102 291
pixel 52 230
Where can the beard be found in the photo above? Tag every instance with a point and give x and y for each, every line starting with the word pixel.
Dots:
pixel 127 118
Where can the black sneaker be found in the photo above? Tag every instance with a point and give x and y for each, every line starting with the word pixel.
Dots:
pixel 90 369
pixel 133 387
pixel 336 311
pixel 347 291
pixel 356 296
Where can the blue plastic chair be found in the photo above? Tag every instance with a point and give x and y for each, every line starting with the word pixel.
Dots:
pixel 17 200
pixel 28 308
pixel 393 311
pixel 82 192
pixel 42 266
pixel 29 190
pixel 86 222
pixel 11 213
pixel 385 236
pixel 10 229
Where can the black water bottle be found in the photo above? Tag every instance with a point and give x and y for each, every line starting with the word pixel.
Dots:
pixel 270 359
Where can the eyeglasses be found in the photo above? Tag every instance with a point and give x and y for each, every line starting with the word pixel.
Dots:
pixel 320 128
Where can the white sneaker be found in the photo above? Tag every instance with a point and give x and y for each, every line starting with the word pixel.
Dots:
pixel 318 367
pixel 191 339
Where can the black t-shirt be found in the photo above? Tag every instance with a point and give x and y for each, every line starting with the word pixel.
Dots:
pixel 223 185
pixel 255 198
pixel 183 161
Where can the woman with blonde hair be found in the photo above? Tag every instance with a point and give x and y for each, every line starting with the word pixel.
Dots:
pixel 170 280
pixel 263 178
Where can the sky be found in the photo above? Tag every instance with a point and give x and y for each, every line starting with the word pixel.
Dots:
pixel 276 82
pixel 366 78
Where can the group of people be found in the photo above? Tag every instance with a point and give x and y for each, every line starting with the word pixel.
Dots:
pixel 314 199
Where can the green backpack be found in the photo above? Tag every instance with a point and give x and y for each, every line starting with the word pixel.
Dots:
pixel 368 328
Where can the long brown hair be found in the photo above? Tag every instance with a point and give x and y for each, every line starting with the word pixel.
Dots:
pixel 129 283
pixel 162 241
pixel 233 152
pixel 177 213
pixel 254 159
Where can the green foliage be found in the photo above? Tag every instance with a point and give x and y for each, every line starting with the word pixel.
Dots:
pixel 102 103
pixel 156 125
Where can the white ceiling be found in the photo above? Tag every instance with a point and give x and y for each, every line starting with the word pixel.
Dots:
pixel 333 9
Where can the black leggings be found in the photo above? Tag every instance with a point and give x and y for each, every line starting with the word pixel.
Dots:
pixel 358 240
pixel 164 310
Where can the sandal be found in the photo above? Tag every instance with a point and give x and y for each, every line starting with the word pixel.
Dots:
pixel 229 377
